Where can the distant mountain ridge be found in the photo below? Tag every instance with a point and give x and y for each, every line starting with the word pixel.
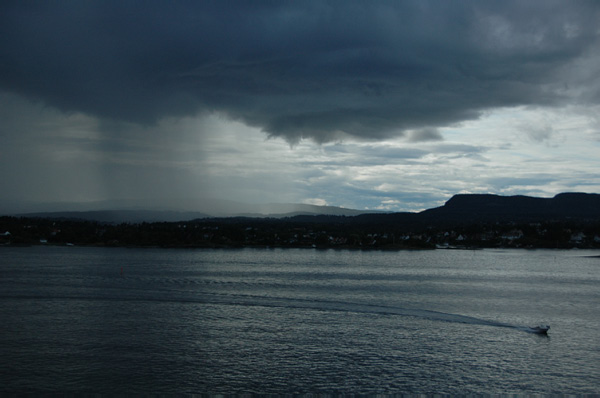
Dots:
pixel 138 216
pixel 519 208
pixel 465 221
pixel 460 209
pixel 119 216
pixel 208 207
pixel 463 209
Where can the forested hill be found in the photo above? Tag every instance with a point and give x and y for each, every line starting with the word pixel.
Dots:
pixel 473 208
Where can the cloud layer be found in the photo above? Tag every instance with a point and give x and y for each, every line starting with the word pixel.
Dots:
pixel 309 69
pixel 394 105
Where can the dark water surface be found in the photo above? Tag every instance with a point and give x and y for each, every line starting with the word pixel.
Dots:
pixel 99 320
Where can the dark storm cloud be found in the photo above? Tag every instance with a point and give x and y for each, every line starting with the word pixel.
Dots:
pixel 304 69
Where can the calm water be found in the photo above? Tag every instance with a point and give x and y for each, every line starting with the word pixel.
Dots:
pixel 93 320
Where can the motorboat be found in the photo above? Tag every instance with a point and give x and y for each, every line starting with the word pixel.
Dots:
pixel 541 329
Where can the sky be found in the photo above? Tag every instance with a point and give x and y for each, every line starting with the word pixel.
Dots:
pixel 381 105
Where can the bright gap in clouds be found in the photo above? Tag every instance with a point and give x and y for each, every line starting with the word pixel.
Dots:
pixel 72 157
pixel 518 151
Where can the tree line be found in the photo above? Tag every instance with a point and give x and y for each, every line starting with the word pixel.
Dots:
pixel 314 232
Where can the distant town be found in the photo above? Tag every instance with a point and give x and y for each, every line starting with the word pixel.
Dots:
pixel 465 221
pixel 239 232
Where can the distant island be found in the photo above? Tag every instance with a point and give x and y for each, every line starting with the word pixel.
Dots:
pixel 569 220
